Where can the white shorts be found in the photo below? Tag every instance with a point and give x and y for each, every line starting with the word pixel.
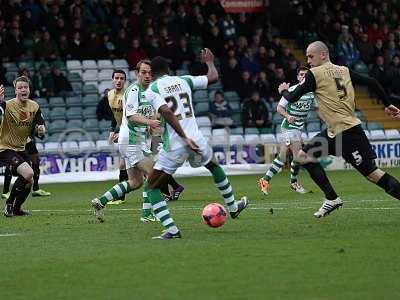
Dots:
pixel 290 136
pixel 132 154
pixel 170 161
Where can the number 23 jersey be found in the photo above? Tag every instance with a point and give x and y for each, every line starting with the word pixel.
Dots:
pixel 177 93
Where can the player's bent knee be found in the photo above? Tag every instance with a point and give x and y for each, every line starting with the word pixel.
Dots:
pixel 25 171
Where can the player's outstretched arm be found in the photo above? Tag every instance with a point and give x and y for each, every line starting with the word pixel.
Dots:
pixel 207 57
pixel 308 85
pixel 372 83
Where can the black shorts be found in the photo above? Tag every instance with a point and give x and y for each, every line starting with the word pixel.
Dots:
pixel 14 158
pixel 31 148
pixel 352 144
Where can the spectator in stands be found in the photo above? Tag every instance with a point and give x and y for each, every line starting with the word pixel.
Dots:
pixel 347 52
pixel 390 51
pixel 286 57
pixel 255 112
pixel 380 72
pixel 106 48
pixel 245 88
pixel 378 48
pixel 91 46
pixel 365 48
pixel 221 112
pixel 62 86
pixel 63 47
pixel 43 82
pixel 103 110
pixel 45 48
pixel 4 50
pixel 291 71
pixel 394 75
pixel 243 28
pixel 277 80
pixel 262 85
pixel 76 47
pixel 15 45
pixel 121 43
pixel 182 56
pixel 231 75
pixel 3 71
pixel 374 33
pixel 214 40
pixel 227 27
pixel 27 24
pixel 135 54
pixel 250 62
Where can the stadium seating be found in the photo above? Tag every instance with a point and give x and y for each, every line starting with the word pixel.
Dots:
pixel 236 140
pixel 70 146
pixel 103 145
pixel 57 113
pixel 74 65
pixel 73 101
pixel 74 113
pixel 203 122
pixel 392 134
pixel 104 64
pixel 56 102
pixel 268 138
pixel 90 100
pixel 252 139
pixel 377 134
pixel 87 146
pixel 52 147
pixel 89 65
pixel 236 131
pixel 43 103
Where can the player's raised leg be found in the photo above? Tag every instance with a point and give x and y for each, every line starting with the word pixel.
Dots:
pixel 387 182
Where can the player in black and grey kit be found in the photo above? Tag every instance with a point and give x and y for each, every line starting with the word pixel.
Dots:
pixel 333 88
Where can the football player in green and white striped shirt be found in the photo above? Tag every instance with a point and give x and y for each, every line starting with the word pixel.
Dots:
pixel 132 142
pixel 295 115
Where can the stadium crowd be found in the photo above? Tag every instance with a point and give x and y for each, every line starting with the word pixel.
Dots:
pixel 252 60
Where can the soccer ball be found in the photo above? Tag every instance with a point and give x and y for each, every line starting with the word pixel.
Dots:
pixel 214 215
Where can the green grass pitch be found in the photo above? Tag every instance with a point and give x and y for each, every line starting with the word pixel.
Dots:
pixel 60 253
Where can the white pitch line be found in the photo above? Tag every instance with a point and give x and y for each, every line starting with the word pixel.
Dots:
pixel 8 234
pixel 199 208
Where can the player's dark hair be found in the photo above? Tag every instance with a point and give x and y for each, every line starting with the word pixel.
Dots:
pixel 159 66
pixel 141 62
pixel 302 68
pixel 118 72
pixel 21 79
